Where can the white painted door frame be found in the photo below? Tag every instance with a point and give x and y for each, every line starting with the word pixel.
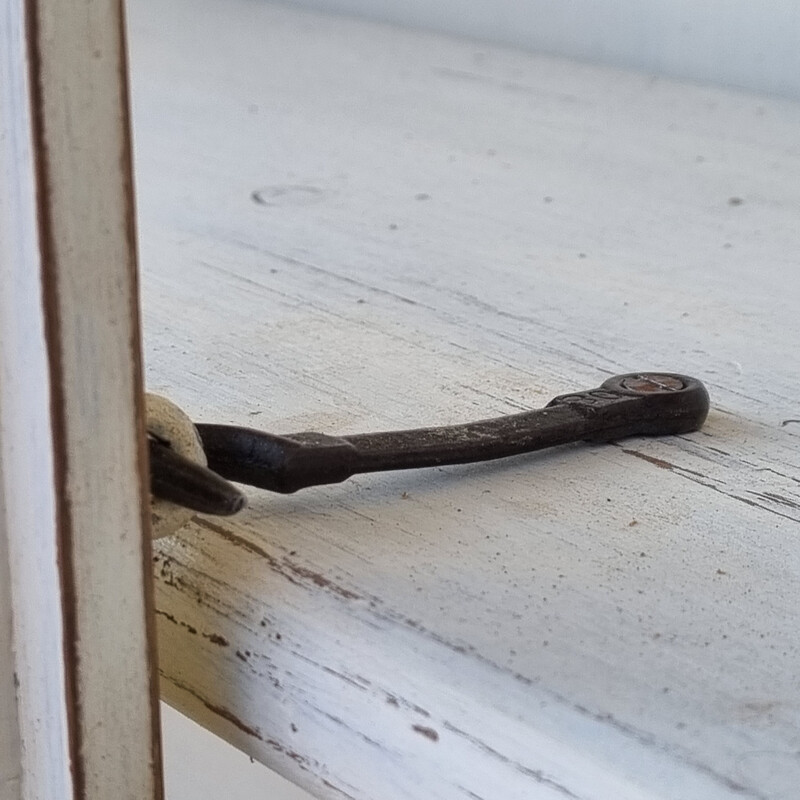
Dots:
pixel 79 716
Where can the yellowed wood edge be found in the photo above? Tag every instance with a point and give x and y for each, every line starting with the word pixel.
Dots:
pixel 72 331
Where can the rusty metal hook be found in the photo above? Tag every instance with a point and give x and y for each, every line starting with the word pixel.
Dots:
pixel 636 404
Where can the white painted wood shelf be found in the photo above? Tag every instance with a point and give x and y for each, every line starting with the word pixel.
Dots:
pixel 348 227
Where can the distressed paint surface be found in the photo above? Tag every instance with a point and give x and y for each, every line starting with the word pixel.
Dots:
pixel 349 227
pixel 74 492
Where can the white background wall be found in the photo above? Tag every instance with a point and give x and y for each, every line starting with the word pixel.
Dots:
pixel 752 44
pixel 201 766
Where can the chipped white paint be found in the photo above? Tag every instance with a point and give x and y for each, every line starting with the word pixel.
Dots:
pixel 73 494
pixel 366 228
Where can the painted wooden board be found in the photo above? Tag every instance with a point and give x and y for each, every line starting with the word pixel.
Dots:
pixel 73 483
pixel 351 227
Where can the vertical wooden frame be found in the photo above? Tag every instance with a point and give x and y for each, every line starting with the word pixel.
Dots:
pixel 73 467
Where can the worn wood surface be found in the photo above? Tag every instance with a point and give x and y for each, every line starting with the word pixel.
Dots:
pixel 74 495
pixel 349 227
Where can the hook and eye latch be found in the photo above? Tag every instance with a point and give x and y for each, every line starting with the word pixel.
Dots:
pixel 636 404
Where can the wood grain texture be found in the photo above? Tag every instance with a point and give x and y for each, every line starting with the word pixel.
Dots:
pixel 75 491
pixel 350 227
